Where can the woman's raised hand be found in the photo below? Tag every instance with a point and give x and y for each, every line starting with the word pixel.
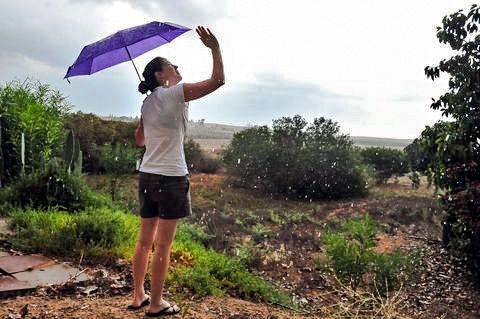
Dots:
pixel 207 37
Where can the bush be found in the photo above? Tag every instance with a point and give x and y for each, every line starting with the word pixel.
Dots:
pixel 197 160
pixel 92 131
pixel 386 162
pixel 352 257
pixel 54 188
pixel 314 162
pixel 6 196
pixel 37 111
pixel 118 160
pixel 94 233
pixel 461 229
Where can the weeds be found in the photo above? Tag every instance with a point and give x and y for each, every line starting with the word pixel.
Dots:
pixel 363 304
pixel 354 261
pixel 261 231
pixel 209 272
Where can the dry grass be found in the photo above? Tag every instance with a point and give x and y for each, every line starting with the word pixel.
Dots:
pixel 344 302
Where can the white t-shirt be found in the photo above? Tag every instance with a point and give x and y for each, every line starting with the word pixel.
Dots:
pixel 165 118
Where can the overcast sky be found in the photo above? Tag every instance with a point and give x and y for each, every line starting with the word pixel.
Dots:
pixel 359 63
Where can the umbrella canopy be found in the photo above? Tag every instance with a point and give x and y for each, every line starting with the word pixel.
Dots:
pixel 122 46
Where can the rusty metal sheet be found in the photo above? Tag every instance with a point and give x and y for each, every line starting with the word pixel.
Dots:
pixel 51 274
pixel 14 264
pixel 9 284
pixel 4 254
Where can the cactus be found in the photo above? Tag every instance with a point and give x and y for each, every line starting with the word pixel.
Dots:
pixel 72 155
pixel 77 167
pixel 68 150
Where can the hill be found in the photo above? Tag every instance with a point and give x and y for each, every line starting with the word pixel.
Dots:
pixel 213 135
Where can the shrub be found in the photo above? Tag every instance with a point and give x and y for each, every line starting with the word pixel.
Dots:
pixel 118 160
pixel 197 160
pixel 314 162
pixel 94 233
pixel 6 196
pixel 352 257
pixel 249 155
pixel 37 111
pixel 415 179
pixel 54 188
pixel 92 131
pixel 386 162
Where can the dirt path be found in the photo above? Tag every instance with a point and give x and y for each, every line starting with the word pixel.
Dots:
pixel 114 307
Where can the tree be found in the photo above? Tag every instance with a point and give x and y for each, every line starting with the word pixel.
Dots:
pixel 458 147
pixel 295 159
pixel 385 161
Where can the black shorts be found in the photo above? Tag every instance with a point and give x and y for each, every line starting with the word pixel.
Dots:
pixel 167 197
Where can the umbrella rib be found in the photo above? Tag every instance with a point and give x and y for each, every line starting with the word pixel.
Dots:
pixel 130 57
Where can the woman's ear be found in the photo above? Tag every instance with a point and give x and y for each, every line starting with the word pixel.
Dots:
pixel 159 76
pixel 160 79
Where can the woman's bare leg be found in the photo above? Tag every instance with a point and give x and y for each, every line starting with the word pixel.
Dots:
pixel 148 232
pixel 163 243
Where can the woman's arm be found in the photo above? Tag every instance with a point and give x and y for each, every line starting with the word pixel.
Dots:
pixel 193 91
pixel 139 134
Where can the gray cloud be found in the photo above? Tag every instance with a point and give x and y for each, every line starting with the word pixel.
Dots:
pixel 32 32
pixel 407 98
pixel 188 12
pixel 272 98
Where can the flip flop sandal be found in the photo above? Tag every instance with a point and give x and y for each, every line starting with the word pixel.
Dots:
pixel 167 311
pixel 144 303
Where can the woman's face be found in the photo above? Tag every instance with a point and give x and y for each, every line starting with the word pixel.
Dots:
pixel 169 73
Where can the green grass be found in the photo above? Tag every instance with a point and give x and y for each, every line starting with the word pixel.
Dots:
pixel 261 230
pixel 94 233
pixel 210 273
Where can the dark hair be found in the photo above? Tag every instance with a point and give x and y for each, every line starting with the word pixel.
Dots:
pixel 151 82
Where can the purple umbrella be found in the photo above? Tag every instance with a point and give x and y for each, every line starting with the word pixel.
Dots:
pixel 122 46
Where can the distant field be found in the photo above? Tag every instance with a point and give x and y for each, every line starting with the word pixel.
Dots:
pixel 212 145
pixel 212 136
pixel 365 141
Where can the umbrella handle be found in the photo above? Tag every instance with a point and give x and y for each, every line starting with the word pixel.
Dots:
pixel 130 57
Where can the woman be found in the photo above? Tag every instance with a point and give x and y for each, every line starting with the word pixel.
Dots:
pixel 163 185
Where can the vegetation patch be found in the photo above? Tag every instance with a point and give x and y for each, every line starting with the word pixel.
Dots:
pixel 208 272
pixel 95 234
pixel 105 234
pixel 295 160
pixel 354 261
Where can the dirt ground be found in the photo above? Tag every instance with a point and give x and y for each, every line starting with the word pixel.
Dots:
pixel 285 253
